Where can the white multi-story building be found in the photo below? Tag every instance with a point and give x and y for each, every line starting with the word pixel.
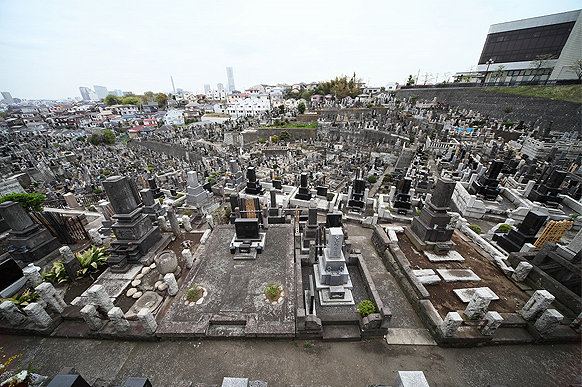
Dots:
pixel 249 106
pixel 174 117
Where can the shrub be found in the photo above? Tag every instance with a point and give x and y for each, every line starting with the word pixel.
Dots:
pixel 372 179
pixel 97 191
pixel 330 196
pixel 504 228
pixel 273 290
pixel 194 293
pixel 29 201
pixel 574 215
pixel 57 274
pixel 366 308
pixel 475 228
pixel 417 212
pixel 23 299
pixel 187 212
pixel 91 260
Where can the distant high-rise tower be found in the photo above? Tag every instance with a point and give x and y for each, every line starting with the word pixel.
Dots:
pixel 220 87
pixel 230 76
pixel 7 97
pixel 206 89
pixel 101 91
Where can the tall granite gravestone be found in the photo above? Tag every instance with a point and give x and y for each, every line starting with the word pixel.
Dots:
pixel 275 213
pixel 151 207
pixel 134 230
pixel 29 242
pixel 514 240
pixel 303 193
pixel 254 187
pixel 310 230
pixel 155 189
pixel 431 228
pixel 488 184
pixel 235 177
pixel 549 191
pixel 196 194
pixel 356 201
pixel 402 202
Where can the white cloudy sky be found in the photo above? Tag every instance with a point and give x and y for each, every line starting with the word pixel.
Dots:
pixel 50 48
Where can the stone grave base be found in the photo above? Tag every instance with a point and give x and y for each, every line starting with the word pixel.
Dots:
pixel 427 246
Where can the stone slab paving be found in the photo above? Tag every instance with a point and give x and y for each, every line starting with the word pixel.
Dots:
pixel 466 294
pixel 405 336
pixel 451 256
pixel 453 275
pixel 235 304
pixel 403 315
pixel 114 283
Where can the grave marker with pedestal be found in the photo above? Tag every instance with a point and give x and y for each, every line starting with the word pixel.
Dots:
pixel 29 242
pixel 514 240
pixel 134 230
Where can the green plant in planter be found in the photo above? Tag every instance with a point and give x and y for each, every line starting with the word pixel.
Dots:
pixel 273 290
pixel 504 228
pixel 57 274
pixel 574 215
pixel 366 308
pixel 475 228
pixel 194 293
pixel 91 260
pixel 23 299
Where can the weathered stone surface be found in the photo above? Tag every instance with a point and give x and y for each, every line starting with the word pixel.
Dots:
pixel 147 320
pixel 537 304
pixel 38 315
pixel 548 321
pixel 451 323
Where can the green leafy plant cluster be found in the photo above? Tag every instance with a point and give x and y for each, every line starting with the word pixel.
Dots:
pixel 475 228
pixel 29 201
pixel 366 308
pixel 504 228
pixel 194 293
pixel 23 299
pixel 372 179
pixel 89 262
pixel 273 290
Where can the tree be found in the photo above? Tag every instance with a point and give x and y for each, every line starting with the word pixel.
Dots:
pixel 281 109
pixel 577 66
pixel 274 139
pixel 149 95
pixel 498 73
pixel 108 136
pixel 28 201
pixel 285 136
pixel 410 81
pixel 340 87
pixel 130 101
pixel 161 99
pixel 111 99
pixel 540 65
pixel 301 107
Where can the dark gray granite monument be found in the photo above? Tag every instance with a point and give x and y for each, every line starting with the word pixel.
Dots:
pixel 526 232
pixel 134 230
pixel 29 242
pixel 254 187
pixel 487 185
pixel 430 230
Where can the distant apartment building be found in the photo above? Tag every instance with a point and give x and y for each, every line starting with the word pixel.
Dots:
pixel 174 117
pixel 7 97
pixel 101 91
pixel 249 106
pixel 87 94
pixel 206 89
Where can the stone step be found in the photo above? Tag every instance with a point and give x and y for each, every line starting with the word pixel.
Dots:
pixel 512 336
pixel 406 336
pixel 512 320
pixel 72 313
pixel 226 330
pixel 341 333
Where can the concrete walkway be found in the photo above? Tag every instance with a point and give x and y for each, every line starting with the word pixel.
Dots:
pixel 299 363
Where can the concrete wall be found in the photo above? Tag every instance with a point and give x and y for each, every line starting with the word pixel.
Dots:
pixel 169 149
pixel 534 111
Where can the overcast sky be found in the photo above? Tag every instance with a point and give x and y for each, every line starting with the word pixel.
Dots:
pixel 50 48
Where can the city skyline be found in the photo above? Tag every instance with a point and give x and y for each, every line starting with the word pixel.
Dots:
pixel 52 49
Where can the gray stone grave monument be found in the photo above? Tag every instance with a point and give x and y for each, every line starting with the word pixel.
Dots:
pixel 29 242
pixel 196 194
pixel 134 230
